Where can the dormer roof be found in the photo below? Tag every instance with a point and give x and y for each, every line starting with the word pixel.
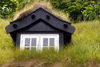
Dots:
pixel 40 14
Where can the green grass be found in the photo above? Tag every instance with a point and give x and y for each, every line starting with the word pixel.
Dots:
pixel 85 47
pixel 6 44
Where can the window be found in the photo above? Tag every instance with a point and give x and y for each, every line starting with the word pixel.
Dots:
pixel 29 42
pixel 39 41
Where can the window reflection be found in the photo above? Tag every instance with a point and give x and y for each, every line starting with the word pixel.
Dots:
pixel 33 43
pixel 45 41
pixel 51 41
pixel 33 48
pixel 27 41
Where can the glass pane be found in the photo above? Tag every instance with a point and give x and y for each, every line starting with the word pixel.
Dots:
pixel 45 41
pixel 27 48
pixel 45 48
pixel 33 48
pixel 51 48
pixel 51 41
pixel 33 42
pixel 27 41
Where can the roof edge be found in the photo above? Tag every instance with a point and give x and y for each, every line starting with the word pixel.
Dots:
pixel 44 10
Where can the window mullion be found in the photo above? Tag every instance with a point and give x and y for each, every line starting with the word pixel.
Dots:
pixel 30 43
pixel 40 43
pixel 48 42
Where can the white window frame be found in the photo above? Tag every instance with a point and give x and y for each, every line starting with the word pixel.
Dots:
pixel 22 41
pixel 39 42
pixel 56 43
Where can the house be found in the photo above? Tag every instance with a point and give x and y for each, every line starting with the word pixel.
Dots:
pixel 40 29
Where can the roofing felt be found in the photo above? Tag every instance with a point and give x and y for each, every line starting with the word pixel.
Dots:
pixel 38 14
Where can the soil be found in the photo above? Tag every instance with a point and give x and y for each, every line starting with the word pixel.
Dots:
pixel 30 63
pixel 41 63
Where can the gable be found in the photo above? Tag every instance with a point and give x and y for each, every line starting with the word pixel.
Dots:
pixel 45 16
pixel 40 26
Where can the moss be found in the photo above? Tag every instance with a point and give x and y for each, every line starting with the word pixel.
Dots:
pixel 46 5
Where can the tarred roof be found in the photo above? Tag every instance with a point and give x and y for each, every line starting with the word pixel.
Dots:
pixel 40 14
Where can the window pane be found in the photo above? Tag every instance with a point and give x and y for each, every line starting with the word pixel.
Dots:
pixel 33 42
pixel 27 48
pixel 45 41
pixel 27 41
pixel 33 48
pixel 51 48
pixel 51 41
pixel 45 48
